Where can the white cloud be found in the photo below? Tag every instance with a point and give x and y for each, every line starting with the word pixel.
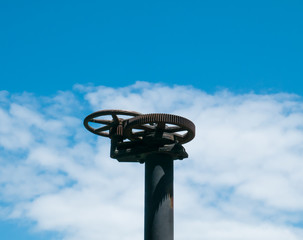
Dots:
pixel 243 179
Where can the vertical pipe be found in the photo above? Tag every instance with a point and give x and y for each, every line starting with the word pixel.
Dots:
pixel 159 208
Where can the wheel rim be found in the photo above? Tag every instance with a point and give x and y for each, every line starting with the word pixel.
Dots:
pixel 106 125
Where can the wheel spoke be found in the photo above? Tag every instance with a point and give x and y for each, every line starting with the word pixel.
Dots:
pixel 115 118
pixel 104 128
pixel 140 133
pixel 179 136
pixel 144 127
pixel 101 121
pixel 104 134
pixel 174 129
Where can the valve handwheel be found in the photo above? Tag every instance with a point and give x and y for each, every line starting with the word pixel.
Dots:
pixel 142 125
pixel 104 125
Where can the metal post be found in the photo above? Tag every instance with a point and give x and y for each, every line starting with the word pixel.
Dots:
pixel 159 208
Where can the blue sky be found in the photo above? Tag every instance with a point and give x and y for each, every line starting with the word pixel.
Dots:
pixel 241 45
pixel 233 67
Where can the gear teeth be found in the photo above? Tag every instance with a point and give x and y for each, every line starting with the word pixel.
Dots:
pixel 161 118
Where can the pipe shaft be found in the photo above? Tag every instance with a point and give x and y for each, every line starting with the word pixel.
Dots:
pixel 159 208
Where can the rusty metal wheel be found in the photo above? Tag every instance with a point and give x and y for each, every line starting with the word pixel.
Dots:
pixel 100 124
pixel 182 129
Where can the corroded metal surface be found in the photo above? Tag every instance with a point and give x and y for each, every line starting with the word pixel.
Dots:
pixel 135 135
pixel 135 125
pixel 140 126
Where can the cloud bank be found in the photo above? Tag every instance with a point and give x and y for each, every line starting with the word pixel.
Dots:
pixel 243 178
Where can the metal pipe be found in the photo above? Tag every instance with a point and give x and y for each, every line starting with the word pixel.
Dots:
pixel 159 207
